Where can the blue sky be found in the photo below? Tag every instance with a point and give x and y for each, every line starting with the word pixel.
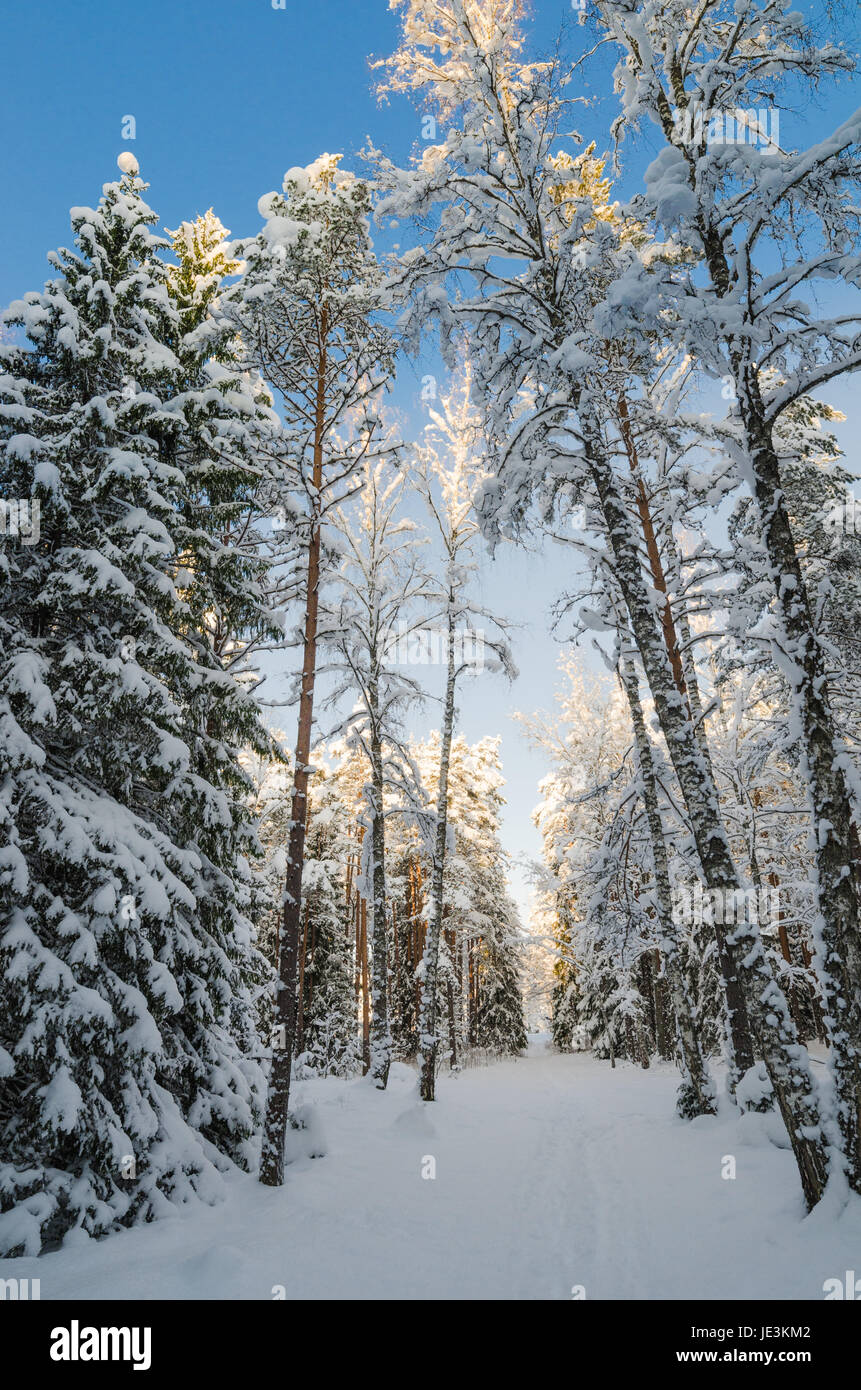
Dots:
pixel 225 96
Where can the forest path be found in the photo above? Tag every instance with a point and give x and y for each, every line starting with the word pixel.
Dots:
pixel 551 1172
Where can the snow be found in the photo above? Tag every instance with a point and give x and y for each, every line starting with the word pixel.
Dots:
pixel 127 163
pixel 551 1171
pixel 754 1088
pixel 62 1100
pixel 298 176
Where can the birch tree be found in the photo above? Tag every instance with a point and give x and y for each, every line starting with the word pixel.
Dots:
pixel 537 277
pixel 451 472
pixel 766 225
pixel 380 586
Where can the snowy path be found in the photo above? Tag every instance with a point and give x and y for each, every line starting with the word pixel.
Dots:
pixel 551 1172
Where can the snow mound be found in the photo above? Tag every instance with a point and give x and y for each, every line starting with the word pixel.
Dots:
pixel 754 1091
pixel 415 1121
pixel 265 204
pixel 305 1137
pixel 221 1266
pixel 127 163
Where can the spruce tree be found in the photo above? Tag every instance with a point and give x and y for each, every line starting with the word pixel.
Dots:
pixel 126 1034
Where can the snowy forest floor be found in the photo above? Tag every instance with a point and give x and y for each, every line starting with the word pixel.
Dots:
pixel 551 1171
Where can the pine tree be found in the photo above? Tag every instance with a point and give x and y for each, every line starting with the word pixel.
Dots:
pixel 326 1033
pixel 564 998
pixel 306 306
pixel 235 461
pixel 500 1025
pixel 481 943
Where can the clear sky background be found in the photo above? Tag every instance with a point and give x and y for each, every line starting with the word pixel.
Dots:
pixel 225 96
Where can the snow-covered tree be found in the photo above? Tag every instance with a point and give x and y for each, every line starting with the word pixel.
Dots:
pixel 745 206
pixel 326 1022
pixel 452 470
pixel 307 308
pixel 128 1046
pixel 481 941
pixel 534 271
pixel 235 462
pixel 379 584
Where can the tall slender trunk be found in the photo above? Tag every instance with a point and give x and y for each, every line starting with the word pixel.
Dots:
pixel 284 1026
pixel 663 1039
pixel 770 1023
pixel 428 1040
pixel 396 993
pixel 839 949
pixel 366 993
pixel 417 944
pixel 697 1093
pixel 473 995
pixel 838 953
pixel 453 1021
pixel 464 985
pixel 738 1024
pixel 300 1021
pixel 381 1038
pixel 452 1026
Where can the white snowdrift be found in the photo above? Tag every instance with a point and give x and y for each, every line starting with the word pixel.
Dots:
pixel 551 1172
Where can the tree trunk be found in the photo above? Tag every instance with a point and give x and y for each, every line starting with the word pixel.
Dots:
pixel 381 1038
pixel 839 951
pixel 428 1040
pixel 452 1010
pixel 738 1024
pixel 284 1028
pixel 663 1039
pixel 417 943
pixel 697 1093
pixel 366 1001
pixel 770 1023
pixel 300 1022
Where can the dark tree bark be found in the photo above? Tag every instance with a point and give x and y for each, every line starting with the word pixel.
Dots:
pixel 428 1040
pixel 284 1027
pixel 381 1038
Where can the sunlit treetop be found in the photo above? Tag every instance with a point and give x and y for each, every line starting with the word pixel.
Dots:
pixel 202 250
pixel 436 36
